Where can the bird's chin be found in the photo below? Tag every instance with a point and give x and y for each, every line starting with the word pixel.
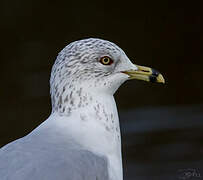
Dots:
pixel 116 81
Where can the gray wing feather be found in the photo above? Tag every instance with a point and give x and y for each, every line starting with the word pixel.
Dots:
pixel 21 160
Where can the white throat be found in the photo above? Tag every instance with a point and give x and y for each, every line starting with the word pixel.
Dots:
pixel 96 128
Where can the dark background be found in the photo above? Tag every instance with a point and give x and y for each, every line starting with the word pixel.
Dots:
pixel 162 125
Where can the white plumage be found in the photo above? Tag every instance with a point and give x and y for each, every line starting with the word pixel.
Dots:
pixel 81 138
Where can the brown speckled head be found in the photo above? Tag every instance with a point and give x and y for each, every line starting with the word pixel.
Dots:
pixel 91 63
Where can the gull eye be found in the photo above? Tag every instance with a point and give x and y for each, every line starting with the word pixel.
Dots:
pixel 106 60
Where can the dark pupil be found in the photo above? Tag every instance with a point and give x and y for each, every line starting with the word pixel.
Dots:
pixel 106 60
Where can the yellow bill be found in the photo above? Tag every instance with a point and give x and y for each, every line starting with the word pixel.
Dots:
pixel 145 74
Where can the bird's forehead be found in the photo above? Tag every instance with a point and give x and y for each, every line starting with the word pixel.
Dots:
pixel 92 45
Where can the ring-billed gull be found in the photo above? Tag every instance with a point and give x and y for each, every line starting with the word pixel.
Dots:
pixel 81 138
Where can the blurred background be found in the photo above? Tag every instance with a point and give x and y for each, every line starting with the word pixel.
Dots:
pixel 162 125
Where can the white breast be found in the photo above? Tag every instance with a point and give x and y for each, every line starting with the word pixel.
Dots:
pixel 95 128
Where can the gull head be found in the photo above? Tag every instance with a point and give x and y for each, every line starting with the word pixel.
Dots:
pixel 97 65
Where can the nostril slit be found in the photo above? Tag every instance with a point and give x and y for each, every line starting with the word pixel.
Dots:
pixel 145 70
